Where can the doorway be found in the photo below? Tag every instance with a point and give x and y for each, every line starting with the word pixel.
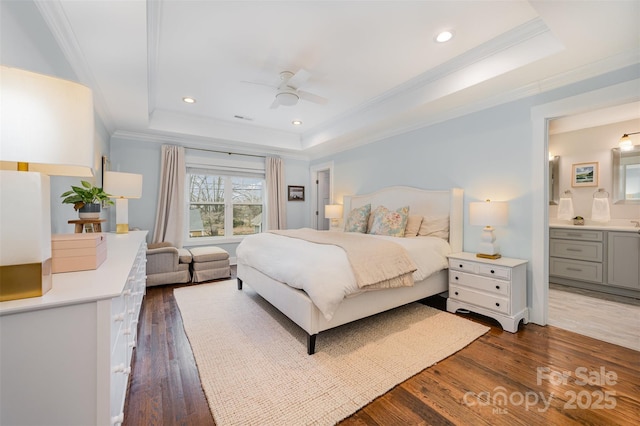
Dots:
pixel 321 194
pixel 540 116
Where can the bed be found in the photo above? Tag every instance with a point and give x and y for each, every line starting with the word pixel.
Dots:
pixel 296 304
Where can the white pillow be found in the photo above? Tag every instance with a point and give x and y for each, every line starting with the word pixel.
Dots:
pixel 435 227
pixel 413 226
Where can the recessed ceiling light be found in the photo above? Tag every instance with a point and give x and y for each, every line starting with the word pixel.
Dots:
pixel 296 122
pixel 444 36
pixel 188 100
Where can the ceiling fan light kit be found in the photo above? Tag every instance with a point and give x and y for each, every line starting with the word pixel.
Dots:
pixel 287 98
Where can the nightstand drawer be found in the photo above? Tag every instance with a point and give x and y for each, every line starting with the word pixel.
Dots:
pixel 491 285
pixel 495 303
pixel 463 265
pixel 494 271
pixel 575 269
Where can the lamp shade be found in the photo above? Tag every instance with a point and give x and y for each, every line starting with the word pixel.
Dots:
pixel 489 213
pixel 46 122
pixel 333 211
pixel 46 128
pixel 123 185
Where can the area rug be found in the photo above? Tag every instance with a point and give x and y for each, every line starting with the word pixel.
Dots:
pixel 255 370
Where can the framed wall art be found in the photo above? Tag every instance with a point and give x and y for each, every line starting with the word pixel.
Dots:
pixel 296 193
pixel 584 174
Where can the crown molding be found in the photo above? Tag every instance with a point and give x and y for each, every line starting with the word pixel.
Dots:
pixel 613 63
pixel 54 16
pixel 206 143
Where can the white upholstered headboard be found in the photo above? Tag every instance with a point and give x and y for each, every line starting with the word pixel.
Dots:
pixel 421 202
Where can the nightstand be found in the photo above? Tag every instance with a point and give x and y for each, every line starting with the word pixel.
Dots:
pixel 495 288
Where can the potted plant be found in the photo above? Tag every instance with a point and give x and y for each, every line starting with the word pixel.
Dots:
pixel 578 220
pixel 86 199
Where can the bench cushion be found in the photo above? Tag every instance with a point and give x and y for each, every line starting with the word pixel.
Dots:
pixel 208 254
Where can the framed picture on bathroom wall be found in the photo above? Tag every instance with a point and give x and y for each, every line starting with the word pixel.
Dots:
pixel 585 174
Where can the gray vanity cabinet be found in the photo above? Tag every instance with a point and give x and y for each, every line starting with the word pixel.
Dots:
pixel 624 259
pixel 596 259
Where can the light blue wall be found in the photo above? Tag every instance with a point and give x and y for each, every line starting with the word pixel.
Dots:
pixel 143 157
pixel 27 43
pixel 486 154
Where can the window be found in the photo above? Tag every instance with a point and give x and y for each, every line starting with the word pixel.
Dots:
pixel 224 205
pixel 626 175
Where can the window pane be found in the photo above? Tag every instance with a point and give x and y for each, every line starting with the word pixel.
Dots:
pixel 247 219
pixel 206 220
pixel 247 190
pixel 206 188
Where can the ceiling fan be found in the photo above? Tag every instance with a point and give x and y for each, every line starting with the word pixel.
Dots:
pixel 288 93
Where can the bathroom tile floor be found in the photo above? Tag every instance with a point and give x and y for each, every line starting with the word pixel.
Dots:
pixel 610 318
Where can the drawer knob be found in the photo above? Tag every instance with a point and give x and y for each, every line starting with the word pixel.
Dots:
pixel 461 266
pixel 456 278
pixel 456 293
pixel 497 287
pixel 493 272
pixel 497 303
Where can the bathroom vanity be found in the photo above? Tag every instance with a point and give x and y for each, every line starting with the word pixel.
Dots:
pixel 599 258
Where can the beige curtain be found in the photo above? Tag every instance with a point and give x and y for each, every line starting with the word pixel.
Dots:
pixel 170 214
pixel 276 194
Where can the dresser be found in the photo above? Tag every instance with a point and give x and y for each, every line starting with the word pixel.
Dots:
pixel 494 288
pixel 65 357
pixel 605 259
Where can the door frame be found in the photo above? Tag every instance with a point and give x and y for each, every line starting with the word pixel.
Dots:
pixel 616 94
pixel 313 176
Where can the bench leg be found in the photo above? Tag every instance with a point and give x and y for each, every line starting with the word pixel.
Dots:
pixel 311 344
pixel 239 283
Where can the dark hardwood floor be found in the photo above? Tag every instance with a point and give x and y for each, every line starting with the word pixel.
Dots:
pixel 540 375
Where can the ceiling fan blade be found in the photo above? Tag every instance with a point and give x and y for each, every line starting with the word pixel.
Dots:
pixel 275 104
pixel 259 83
pixel 298 78
pixel 312 98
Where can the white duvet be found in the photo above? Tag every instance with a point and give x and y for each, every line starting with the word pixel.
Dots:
pixel 323 271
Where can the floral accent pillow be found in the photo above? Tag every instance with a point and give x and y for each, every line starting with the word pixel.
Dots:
pixel 391 223
pixel 358 219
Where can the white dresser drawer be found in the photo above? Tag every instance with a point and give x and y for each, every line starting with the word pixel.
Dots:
pixel 494 271
pixel 498 287
pixel 463 265
pixel 579 250
pixel 485 300
pixel 575 269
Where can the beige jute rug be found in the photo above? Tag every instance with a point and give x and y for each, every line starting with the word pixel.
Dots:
pixel 255 370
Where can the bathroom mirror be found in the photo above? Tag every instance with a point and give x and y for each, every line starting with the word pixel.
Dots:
pixel 554 180
pixel 626 175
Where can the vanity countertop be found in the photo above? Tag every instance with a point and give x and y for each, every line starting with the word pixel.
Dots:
pixel 623 228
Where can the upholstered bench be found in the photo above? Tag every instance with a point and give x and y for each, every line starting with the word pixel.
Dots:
pixel 209 263
pixel 167 264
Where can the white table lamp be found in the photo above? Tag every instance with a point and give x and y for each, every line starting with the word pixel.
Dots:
pixel 122 186
pixel 489 214
pixel 334 213
pixel 47 128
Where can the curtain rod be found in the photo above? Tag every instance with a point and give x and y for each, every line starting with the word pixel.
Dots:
pixel 227 152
